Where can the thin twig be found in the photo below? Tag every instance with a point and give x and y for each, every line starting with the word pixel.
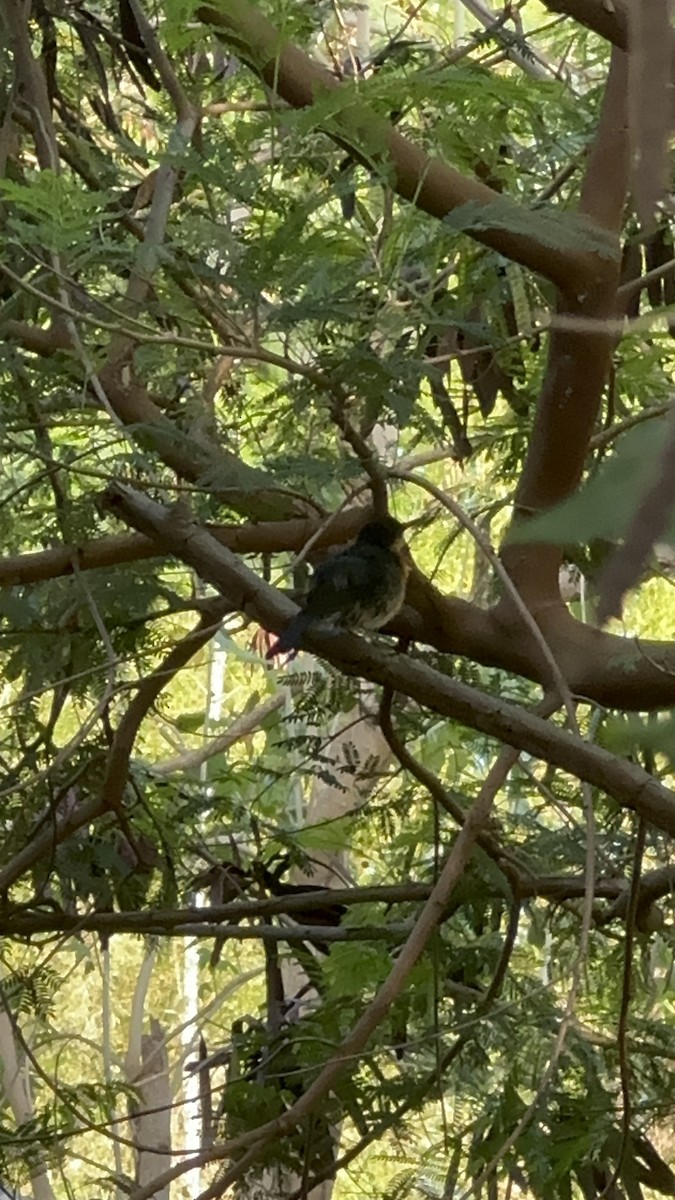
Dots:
pixel 561 687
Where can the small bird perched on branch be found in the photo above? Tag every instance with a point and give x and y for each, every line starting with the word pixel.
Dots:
pixel 360 587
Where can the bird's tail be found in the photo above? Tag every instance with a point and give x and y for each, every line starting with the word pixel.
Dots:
pixel 291 637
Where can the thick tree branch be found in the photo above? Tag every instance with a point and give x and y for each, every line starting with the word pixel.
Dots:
pixel 578 361
pixel 610 20
pixel 628 784
pixel 242 488
pixel 605 183
pixel 614 671
pixel 268 537
pixel 433 186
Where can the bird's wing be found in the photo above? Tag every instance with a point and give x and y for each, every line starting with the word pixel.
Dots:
pixel 345 577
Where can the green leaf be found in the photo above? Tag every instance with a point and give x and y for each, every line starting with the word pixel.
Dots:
pixel 330 836
pixel 604 505
pixel 60 212
pixel 354 967
pixel 190 722
pixel 561 230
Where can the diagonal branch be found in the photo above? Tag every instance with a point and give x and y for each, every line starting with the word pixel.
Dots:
pixel 630 786
pixel 243 488
pixel 432 185
pixel 110 797
pixel 444 799
pixel 516 49
pixel 617 672
pixel 187 117
pixel 348 1052
pixel 242 726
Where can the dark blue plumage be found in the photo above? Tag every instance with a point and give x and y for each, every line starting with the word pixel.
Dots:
pixel 360 587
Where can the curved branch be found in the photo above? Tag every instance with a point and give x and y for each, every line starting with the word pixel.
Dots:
pixel 432 185
pixel 578 362
pixel 617 672
pixel 242 488
pixel 110 797
pixel 609 20
pixel 147 692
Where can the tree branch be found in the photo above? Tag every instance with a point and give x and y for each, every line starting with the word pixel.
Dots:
pixel 30 82
pixel 242 488
pixel 110 798
pixel 241 727
pixel 628 784
pixel 577 361
pixel 427 182
pixel 147 692
pixel 351 1047
pixel 267 537
pixel 170 922
pixel 617 672
pixel 609 20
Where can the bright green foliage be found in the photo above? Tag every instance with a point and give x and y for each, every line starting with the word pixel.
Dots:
pixel 265 303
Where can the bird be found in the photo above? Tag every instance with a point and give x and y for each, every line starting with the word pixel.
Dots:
pixel 360 587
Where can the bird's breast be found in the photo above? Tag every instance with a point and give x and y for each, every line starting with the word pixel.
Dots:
pixel 383 599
